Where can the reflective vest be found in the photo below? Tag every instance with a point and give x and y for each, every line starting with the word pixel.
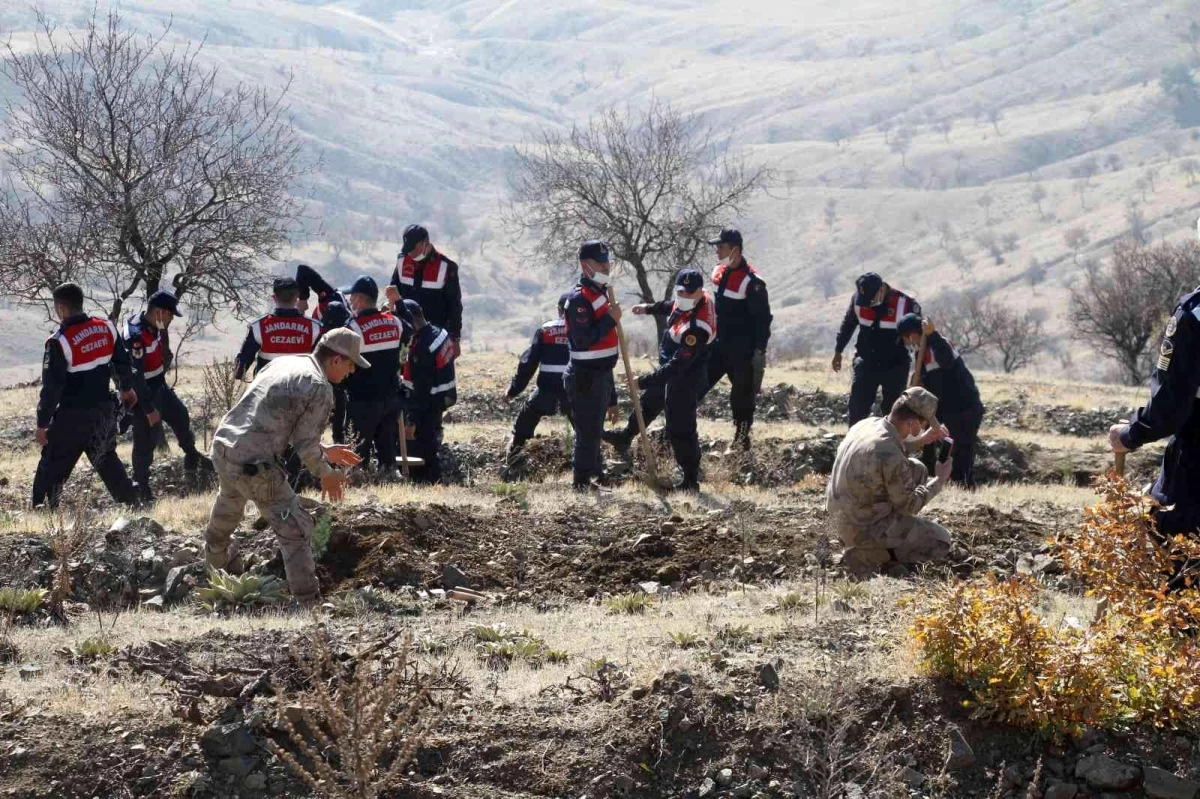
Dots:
pixel 702 317
pixel 380 331
pixel 555 349
pixel 87 344
pixel 608 346
pixel 732 283
pixel 887 313
pixel 284 335
pixel 145 344
pixel 432 272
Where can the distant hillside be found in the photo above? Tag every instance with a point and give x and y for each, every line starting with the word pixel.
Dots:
pixel 415 107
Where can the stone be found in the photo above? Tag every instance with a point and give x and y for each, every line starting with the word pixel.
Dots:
pixel 175 587
pixel 912 778
pixel 725 777
pixel 30 671
pixel 757 772
pixel 237 767
pixel 768 676
pixel 1062 790
pixel 707 788
pixel 1013 777
pixel 961 755
pixel 454 577
pixel 155 603
pixel 1103 773
pixel 227 740
pixel 256 781
pixel 1162 784
pixel 649 587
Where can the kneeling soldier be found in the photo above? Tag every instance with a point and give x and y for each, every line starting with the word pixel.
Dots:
pixel 287 404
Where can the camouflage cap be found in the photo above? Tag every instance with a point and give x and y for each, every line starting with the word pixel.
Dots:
pixel 920 401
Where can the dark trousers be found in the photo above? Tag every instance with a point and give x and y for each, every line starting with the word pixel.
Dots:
pixel 869 379
pixel 373 424
pixel 426 443
pixel 964 429
pixel 681 398
pixel 590 391
pixel 735 363
pixel 337 420
pixel 653 400
pixel 75 432
pixel 540 404
pixel 175 415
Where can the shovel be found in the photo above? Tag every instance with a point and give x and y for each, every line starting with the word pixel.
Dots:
pixel 652 478
pixel 406 461
pixel 915 378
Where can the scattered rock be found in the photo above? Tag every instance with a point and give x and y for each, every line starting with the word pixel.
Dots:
pixel 155 603
pixel 238 767
pixel 454 577
pixel 1106 774
pixel 1162 784
pixel 256 781
pixel 1013 777
pixel 912 778
pixel 768 676
pixel 30 671
pixel 961 755
pixel 757 772
pixel 707 788
pixel 1062 790
pixel 175 588
pixel 227 740
pixel 649 587
pixel 725 777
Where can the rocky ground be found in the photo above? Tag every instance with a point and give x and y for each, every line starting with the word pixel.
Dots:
pixel 627 644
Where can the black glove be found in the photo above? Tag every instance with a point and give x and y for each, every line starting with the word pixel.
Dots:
pixel 759 362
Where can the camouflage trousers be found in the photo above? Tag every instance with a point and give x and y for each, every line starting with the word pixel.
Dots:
pixel 270 492
pixel 906 539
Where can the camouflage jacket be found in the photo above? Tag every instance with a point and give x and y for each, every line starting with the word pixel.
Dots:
pixel 874 482
pixel 289 402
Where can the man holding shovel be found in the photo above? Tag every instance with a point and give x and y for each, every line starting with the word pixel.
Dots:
pixel 594 344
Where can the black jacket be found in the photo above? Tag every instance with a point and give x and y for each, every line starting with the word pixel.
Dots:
pixel 683 352
pixel 64 387
pixel 253 350
pixel 384 336
pixel 946 375
pixel 879 344
pixel 310 282
pixel 591 331
pixel 433 283
pixel 429 371
pixel 743 309
pixel 1172 409
pixel 548 355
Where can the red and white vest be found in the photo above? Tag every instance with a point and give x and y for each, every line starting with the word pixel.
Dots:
pixel 284 335
pixel 433 271
pixel 739 281
pixel 608 346
pixel 555 347
pixel 704 316
pixel 145 344
pixel 889 312
pixel 88 344
pixel 380 331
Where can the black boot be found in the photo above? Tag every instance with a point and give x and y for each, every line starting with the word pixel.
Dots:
pixel 620 440
pixel 741 437
pixel 194 461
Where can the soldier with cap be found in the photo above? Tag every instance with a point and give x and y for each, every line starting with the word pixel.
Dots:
pixel 548 355
pixel 432 390
pixel 945 374
pixel 286 406
pixel 146 337
pixel 1172 412
pixel 75 412
pixel 426 276
pixel 373 406
pixel 676 385
pixel 283 331
pixel 744 318
pixel 594 346
pixel 876 490
pixel 880 358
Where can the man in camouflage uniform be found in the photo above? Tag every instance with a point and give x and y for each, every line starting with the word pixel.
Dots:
pixel 876 490
pixel 287 404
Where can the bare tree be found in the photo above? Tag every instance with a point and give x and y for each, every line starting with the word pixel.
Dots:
pixel 985 202
pixel 959 316
pixel 1076 239
pixel 1151 175
pixel 944 127
pixel 994 115
pixel 1015 337
pixel 987 240
pixel 1137 222
pixel 133 166
pixel 1036 273
pixel 1119 310
pixel 825 278
pixel 901 143
pixel 1038 194
pixel 1189 167
pixel 830 212
pixel 1141 184
pixel 1173 147
pixel 654 184
pixel 1113 162
pixel 885 125
pixel 1081 187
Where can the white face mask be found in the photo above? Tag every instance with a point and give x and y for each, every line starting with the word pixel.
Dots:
pixel 422 257
pixel 599 278
pixel 725 261
pixel 685 303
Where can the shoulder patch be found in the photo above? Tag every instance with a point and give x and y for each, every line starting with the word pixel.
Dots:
pixel 690 339
pixel 1172 326
pixel 46 358
pixel 136 349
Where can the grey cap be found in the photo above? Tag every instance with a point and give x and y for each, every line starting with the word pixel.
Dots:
pixel 920 401
pixel 346 342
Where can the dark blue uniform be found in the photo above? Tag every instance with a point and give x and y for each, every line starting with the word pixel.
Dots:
pixel 592 338
pixel 960 409
pixel 373 406
pixel 1173 411
pixel 548 355
pixel 433 389
pixel 336 315
pixel 677 383
pixel 881 360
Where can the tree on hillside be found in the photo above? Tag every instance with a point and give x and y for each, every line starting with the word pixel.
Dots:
pixel 1076 239
pixel 1081 186
pixel 830 212
pixel 985 202
pixel 1192 36
pixel 994 115
pixel 134 168
pixel 1038 194
pixel 1189 167
pixel 654 184
pixel 1173 147
pixel 825 278
pixel 959 316
pixel 885 125
pixel 1113 162
pixel 901 142
pixel 1151 175
pixel 1016 338
pixel 1137 222
pixel 1120 310
pixel 1178 84
pixel 944 127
